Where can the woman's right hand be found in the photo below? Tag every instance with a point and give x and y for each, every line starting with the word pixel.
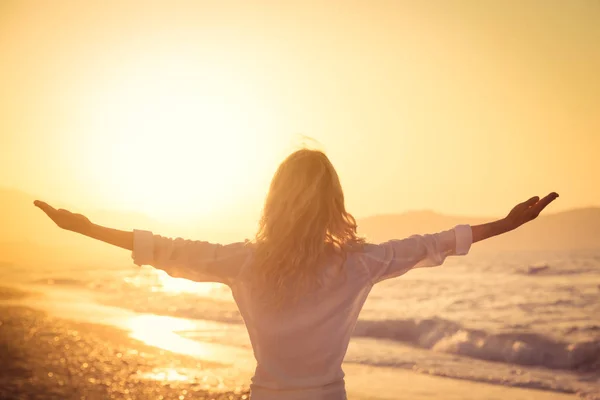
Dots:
pixel 64 218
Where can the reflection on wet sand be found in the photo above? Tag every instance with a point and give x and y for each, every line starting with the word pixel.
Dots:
pixel 164 374
pixel 160 331
pixel 45 356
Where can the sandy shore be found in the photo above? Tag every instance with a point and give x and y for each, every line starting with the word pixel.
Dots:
pixel 379 383
pixel 48 357
pixel 45 357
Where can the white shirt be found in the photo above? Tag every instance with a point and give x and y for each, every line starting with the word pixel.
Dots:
pixel 299 352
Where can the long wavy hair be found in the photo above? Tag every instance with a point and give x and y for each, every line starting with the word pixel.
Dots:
pixel 304 222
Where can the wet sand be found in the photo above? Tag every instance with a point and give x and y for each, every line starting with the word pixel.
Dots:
pixel 45 356
pixel 363 382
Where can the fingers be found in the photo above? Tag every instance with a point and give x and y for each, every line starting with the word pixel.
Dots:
pixel 45 207
pixel 543 203
pixel 64 213
pixel 531 201
pixel 524 206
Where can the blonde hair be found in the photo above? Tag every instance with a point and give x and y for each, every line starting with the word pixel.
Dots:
pixel 304 219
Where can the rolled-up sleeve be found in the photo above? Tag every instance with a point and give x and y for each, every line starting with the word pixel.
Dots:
pixel 190 259
pixel 464 239
pixel 143 247
pixel 396 257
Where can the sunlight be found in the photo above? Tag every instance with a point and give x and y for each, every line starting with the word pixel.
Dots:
pixel 160 331
pixel 163 332
pixel 170 137
pixel 166 374
pixel 178 285
pixel 160 281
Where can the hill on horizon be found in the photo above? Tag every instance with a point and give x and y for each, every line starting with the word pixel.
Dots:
pixel 27 236
pixel 565 230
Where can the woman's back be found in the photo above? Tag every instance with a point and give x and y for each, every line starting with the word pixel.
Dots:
pixel 302 346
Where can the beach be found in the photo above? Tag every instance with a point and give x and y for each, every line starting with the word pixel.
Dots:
pixel 48 356
pixel 45 357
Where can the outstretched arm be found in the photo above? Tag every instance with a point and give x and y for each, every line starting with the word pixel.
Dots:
pixel 519 215
pixel 81 224
pixel 396 257
pixel 190 259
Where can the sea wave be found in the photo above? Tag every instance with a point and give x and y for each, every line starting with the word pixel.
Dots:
pixel 436 334
pixel 545 269
pixel 518 345
pixel 520 348
pixel 61 282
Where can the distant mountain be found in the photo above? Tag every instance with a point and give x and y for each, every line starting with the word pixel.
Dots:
pixel 575 229
pixel 27 236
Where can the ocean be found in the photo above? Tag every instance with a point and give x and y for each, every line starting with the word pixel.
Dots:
pixel 523 319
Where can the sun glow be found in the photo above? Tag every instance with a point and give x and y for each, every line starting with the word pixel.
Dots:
pixel 160 331
pixel 168 333
pixel 165 374
pixel 177 285
pixel 172 137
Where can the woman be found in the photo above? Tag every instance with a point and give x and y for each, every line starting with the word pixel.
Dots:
pixel 302 282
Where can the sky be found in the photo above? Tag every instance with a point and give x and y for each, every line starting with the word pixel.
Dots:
pixel 183 110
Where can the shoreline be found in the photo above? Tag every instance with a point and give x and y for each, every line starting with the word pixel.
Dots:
pixel 58 356
pixel 362 382
pixel 47 357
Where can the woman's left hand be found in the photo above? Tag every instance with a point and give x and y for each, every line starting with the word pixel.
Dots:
pixel 528 210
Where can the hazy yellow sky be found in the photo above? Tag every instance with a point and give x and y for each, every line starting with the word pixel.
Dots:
pixel 185 108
